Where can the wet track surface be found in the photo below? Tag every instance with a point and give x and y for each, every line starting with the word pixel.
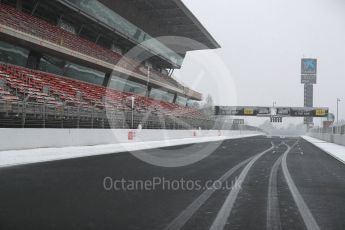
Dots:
pixel 262 183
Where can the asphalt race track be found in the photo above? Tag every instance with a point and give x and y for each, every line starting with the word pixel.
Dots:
pixel 257 183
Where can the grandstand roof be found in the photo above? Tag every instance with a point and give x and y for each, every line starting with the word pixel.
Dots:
pixel 167 18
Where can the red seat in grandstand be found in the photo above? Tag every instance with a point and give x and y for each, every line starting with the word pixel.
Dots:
pixel 26 23
pixel 31 85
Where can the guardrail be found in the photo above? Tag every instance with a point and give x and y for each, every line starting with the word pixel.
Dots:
pixel 335 134
pixel 339 129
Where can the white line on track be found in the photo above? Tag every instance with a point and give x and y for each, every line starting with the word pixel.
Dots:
pixel 303 209
pixel 273 215
pixel 188 212
pixel 224 213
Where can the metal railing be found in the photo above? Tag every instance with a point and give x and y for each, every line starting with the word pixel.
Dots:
pixel 20 114
pixel 336 129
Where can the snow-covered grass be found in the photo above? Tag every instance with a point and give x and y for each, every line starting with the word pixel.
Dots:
pixel 336 151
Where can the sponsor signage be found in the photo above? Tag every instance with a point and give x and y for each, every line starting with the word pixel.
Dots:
pixel 308 79
pixel 267 111
pixel 263 111
pixel 238 122
pixel 308 70
pixel 248 111
pixel 283 111
pixel 309 66
pixel 309 112
pixel 242 110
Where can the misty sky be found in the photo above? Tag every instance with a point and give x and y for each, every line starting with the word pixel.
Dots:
pixel 262 44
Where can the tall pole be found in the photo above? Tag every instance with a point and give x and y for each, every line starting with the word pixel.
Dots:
pixel 132 99
pixel 148 81
pixel 338 100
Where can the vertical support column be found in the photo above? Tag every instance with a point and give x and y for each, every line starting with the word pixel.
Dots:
pixel 148 91
pixel 308 100
pixel 19 5
pixel 80 29
pixel 175 97
pixel 98 37
pixel 107 79
pixel 37 2
pixel 34 59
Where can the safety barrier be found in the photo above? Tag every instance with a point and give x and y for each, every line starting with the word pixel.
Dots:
pixel 14 138
pixel 331 138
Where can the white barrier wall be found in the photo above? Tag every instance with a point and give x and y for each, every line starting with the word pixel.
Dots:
pixel 11 139
pixel 331 138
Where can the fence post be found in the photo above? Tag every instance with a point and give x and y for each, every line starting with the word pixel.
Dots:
pixel 63 114
pixel 103 119
pixel 123 117
pixel 92 116
pixel 44 114
pixel 78 120
pixel 23 114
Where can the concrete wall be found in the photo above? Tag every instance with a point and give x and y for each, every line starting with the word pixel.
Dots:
pixel 11 139
pixel 332 138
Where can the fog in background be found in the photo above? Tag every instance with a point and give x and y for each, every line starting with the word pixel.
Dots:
pixel 289 130
pixel 262 44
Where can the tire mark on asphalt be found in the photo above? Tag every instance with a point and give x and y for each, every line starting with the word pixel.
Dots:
pixel 224 213
pixel 188 212
pixel 273 215
pixel 303 209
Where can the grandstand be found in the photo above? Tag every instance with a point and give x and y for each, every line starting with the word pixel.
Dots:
pixel 64 64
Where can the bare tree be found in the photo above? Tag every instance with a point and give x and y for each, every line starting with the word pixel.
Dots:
pixel 208 101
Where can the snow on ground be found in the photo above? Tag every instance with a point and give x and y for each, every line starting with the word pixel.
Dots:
pixel 336 151
pixel 20 157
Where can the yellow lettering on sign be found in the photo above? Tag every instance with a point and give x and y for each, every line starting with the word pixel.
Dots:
pixel 320 112
pixel 248 111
